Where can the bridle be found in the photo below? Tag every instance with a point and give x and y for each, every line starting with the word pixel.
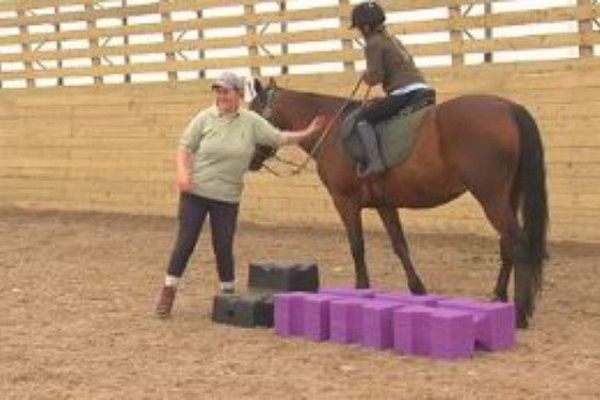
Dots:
pixel 267 113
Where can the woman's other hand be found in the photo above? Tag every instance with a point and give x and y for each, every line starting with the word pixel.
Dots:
pixel 184 182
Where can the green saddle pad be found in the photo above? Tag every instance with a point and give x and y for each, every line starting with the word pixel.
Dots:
pixel 396 137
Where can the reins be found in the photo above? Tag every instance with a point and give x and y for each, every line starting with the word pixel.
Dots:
pixel 317 145
pixel 268 111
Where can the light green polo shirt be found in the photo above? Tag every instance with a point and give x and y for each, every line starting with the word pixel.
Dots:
pixel 222 148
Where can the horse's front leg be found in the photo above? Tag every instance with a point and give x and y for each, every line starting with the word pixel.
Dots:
pixel 349 211
pixel 391 220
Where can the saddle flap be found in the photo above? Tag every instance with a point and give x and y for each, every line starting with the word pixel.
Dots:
pixel 395 136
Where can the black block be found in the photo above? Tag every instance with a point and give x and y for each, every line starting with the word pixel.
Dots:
pixel 265 312
pixel 247 310
pixel 284 276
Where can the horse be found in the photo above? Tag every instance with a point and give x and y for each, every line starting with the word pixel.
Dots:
pixel 484 144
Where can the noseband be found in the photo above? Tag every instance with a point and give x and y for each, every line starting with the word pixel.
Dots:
pixel 267 112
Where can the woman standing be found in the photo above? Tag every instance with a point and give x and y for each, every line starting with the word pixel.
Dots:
pixel 214 152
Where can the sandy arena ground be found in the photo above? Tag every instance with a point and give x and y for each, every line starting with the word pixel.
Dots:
pixel 78 292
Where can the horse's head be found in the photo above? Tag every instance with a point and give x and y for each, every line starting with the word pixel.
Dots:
pixel 262 104
pixel 293 110
pixel 263 101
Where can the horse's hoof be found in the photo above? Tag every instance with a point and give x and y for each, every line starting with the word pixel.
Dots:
pixel 417 288
pixel 362 285
pixel 522 322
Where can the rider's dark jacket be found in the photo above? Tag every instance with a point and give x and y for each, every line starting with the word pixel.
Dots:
pixel 389 63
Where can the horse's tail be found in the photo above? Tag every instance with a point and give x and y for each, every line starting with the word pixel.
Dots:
pixel 531 181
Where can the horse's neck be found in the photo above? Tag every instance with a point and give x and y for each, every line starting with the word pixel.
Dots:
pixel 328 106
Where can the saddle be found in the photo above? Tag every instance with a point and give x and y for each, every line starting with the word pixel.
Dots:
pixel 395 135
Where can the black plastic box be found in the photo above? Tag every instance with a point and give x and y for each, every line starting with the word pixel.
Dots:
pixel 247 310
pixel 284 276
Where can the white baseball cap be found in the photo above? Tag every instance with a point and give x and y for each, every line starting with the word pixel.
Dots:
pixel 229 80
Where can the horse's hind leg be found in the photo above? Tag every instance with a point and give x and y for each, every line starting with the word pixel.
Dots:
pixel 350 213
pixel 506 223
pixel 501 289
pixel 391 221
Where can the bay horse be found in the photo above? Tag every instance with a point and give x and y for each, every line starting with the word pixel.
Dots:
pixel 484 144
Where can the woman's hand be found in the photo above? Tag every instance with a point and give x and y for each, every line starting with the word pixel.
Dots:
pixel 317 124
pixel 184 179
pixel 184 182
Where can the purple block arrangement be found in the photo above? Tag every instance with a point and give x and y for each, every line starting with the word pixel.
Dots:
pixel 377 331
pixel 289 313
pixel 347 291
pixel 452 334
pixel 430 300
pixel 345 319
pixel 494 322
pixel 430 325
pixel 316 316
pixel 411 330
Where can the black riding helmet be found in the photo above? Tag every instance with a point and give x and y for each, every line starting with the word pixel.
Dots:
pixel 368 13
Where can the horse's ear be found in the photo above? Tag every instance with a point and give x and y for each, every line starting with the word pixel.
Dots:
pixel 258 88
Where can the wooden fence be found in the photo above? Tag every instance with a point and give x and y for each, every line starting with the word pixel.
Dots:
pixel 111 147
pixel 106 28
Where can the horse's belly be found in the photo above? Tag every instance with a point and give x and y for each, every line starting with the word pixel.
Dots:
pixel 425 180
pixel 408 193
pixel 427 201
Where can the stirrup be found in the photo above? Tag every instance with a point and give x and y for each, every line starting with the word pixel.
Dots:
pixel 370 169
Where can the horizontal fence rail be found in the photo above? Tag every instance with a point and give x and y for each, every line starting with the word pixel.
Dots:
pixel 110 146
pixel 62 39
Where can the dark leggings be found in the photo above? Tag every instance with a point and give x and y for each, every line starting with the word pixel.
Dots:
pixel 389 106
pixel 223 220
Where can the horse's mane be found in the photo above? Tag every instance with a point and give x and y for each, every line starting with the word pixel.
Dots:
pixel 319 97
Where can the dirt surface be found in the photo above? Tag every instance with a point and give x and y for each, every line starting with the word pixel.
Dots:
pixel 78 292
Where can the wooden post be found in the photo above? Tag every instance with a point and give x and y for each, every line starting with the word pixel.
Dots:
pixel 168 39
pixel 251 31
pixel 60 81
pixel 456 36
pixel 585 27
pixel 126 59
pixel 489 56
pixel 91 24
pixel 346 43
pixel 26 48
pixel 201 73
pixel 284 28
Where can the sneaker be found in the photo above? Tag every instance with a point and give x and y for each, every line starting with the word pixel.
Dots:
pixel 165 302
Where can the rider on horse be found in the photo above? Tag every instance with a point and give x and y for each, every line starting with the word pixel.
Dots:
pixel 389 64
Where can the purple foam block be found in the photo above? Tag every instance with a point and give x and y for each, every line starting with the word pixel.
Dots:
pixel 452 334
pixel 316 316
pixel 494 322
pixel 289 313
pixel 347 291
pixel 411 326
pixel 430 300
pixel 345 319
pixel 377 329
